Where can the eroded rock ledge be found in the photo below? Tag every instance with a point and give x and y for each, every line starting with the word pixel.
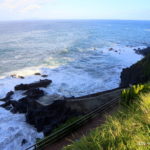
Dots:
pixel 41 83
pixel 139 72
pixel 44 112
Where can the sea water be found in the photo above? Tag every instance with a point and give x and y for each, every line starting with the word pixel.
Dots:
pixel 80 56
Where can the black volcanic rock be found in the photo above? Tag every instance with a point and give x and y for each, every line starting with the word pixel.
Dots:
pixel 37 74
pixel 21 77
pixel 44 75
pixel 8 96
pixel 41 83
pixel 24 141
pixel 46 118
pixel 34 93
pixel 137 73
pixel 20 106
pixel 6 105
pixel 143 52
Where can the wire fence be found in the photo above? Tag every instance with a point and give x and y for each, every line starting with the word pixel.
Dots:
pixel 52 138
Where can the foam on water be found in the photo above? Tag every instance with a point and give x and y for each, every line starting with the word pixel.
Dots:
pixel 14 129
pixel 93 71
pixel 74 54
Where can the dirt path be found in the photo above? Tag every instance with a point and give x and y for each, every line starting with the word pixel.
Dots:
pixel 84 130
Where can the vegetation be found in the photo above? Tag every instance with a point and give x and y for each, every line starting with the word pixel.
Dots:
pixel 127 129
pixel 129 95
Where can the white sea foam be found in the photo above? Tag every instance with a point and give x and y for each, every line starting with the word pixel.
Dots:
pixel 14 129
pixel 80 77
pixel 93 71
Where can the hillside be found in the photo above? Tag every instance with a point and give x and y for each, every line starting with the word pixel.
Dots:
pixel 127 129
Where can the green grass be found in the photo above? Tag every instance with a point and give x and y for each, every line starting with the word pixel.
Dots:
pixel 127 129
pixel 130 95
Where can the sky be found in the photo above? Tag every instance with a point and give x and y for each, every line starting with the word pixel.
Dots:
pixel 74 9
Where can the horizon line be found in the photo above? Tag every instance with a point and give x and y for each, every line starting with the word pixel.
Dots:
pixel 73 19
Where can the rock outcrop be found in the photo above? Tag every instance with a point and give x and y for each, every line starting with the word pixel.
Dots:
pixel 44 112
pixel 41 83
pixel 143 52
pixel 34 93
pixel 137 73
pixel 47 118
pixel 8 96
pixel 21 105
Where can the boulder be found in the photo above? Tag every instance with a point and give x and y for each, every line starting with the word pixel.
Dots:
pixel 21 77
pixel 20 106
pixel 143 52
pixel 110 49
pixel 17 76
pixel 41 83
pixel 13 75
pixel 44 75
pixel 37 74
pixel 6 105
pixel 24 141
pixel 8 96
pixel 46 118
pixel 34 93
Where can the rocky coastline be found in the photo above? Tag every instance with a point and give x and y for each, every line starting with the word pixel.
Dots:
pixel 139 72
pixel 43 118
pixel 48 117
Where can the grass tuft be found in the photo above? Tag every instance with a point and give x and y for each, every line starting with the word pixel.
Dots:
pixel 128 129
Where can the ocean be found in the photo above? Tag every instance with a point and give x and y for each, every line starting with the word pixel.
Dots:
pixel 80 56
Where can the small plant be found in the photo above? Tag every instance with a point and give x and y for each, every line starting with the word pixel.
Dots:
pixel 127 129
pixel 128 95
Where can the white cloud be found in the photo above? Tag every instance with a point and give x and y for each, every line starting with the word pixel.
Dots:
pixel 23 5
pixel 30 7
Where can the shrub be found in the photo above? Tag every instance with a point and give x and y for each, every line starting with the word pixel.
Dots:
pixel 128 129
pixel 128 95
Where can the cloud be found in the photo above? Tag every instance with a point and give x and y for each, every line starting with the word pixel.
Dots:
pixel 23 5
pixel 30 7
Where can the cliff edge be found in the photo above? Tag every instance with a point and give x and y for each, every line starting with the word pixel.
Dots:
pixel 139 72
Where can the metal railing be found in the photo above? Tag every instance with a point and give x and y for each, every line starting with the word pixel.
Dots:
pixel 72 126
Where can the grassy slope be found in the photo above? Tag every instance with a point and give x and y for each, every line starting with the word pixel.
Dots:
pixel 128 129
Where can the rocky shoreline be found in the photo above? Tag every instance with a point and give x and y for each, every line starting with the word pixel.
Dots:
pixel 47 117
pixel 43 118
pixel 139 72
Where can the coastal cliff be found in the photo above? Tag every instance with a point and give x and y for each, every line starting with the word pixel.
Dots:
pixel 139 72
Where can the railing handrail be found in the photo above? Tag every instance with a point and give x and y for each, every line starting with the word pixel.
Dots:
pixel 97 96
pixel 52 137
